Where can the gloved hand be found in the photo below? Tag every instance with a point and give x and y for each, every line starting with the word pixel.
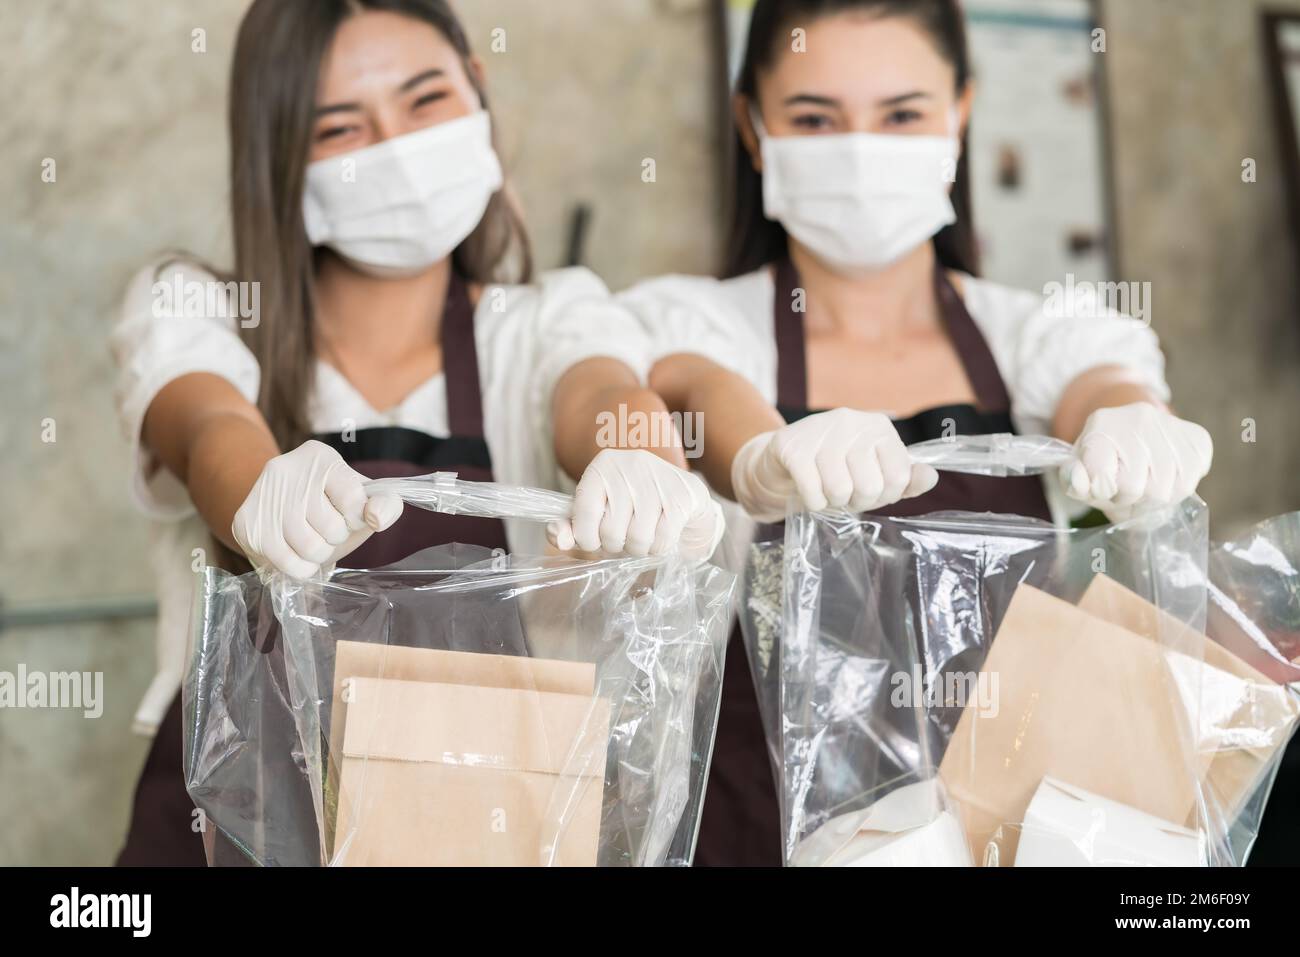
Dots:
pixel 1135 457
pixel 307 510
pixel 631 502
pixel 838 459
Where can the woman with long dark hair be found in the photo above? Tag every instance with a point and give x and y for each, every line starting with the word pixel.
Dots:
pixel 851 287
pixel 376 322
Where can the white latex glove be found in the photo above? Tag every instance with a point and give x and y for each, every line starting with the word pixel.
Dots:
pixel 1136 457
pixel 838 459
pixel 631 502
pixel 307 510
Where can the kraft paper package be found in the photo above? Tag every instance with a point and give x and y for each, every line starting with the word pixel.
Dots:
pixel 1018 679
pixel 1084 702
pixel 398 738
pixel 459 707
pixel 1245 717
pixel 1240 721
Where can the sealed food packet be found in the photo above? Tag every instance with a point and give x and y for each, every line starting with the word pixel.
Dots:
pixel 459 707
pixel 1050 695
pixel 403 715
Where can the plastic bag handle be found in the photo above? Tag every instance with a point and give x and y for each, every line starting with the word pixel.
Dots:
pixel 444 492
pixel 999 455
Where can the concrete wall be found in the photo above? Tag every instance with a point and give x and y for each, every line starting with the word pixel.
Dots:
pixel 133 121
pixel 1189 103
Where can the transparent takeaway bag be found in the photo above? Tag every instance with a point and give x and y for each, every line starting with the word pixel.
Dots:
pixel 1041 688
pixel 762 607
pixel 459 706
pixel 1253 619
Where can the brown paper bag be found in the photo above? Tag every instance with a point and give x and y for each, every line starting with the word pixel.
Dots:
pixel 1232 698
pixel 361 659
pixel 437 774
pixel 1080 700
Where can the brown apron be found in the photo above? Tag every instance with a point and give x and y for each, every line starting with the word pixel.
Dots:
pixel 741 823
pixel 161 831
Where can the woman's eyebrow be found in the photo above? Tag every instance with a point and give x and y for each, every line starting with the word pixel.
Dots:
pixel 812 99
pixel 903 98
pixel 419 78
pixel 338 108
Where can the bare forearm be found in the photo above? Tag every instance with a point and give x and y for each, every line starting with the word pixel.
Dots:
pixel 212 439
pixel 730 409
pixel 1101 388
pixel 226 457
pixel 601 404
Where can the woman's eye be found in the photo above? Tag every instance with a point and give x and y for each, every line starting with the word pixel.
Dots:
pixel 428 98
pixel 903 117
pixel 812 121
pixel 333 133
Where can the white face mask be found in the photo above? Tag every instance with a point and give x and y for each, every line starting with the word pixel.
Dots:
pixel 859 201
pixel 398 207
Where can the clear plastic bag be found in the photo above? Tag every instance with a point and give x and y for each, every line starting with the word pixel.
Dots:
pixel 1253 616
pixel 458 707
pixel 1050 691
pixel 950 647
pixel 762 586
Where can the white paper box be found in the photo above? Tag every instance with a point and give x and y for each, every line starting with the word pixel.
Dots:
pixel 1066 826
pixel 909 827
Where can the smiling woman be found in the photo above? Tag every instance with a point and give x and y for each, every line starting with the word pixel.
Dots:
pixel 366 97
pixel 371 212
pixel 318 81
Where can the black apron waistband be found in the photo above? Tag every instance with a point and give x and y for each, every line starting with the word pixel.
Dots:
pixel 398 444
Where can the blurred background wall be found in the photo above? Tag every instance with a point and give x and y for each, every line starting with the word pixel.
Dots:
pixel 585 91
pixel 1189 103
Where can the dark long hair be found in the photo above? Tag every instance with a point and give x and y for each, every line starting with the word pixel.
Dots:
pixel 272 110
pixel 755 240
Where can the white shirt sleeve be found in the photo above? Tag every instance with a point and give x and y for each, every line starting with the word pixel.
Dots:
pixel 1041 346
pixel 576 319
pixel 176 320
pixel 726 321
pixel 528 337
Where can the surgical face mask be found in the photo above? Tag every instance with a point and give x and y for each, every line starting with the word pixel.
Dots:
pixel 859 201
pixel 398 207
